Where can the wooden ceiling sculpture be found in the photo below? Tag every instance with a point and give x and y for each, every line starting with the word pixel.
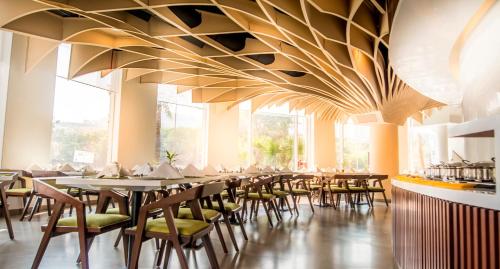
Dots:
pixel 327 56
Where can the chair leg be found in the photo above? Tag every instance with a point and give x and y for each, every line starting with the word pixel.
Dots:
pixel 181 256
pixel 84 249
pixel 168 251
pixel 275 209
pixel 310 202
pixel 35 207
pixel 88 202
pixel 41 249
pixel 6 213
pixel 221 238
pixel 288 205
pixel 209 248
pixel 268 214
pixel 125 244
pixel 385 199
pixel 240 221
pixel 230 231
pixel 252 208
pixel 89 244
pixel 49 211
pixel 161 250
pixel 26 206
pixel 118 238
pixel 295 205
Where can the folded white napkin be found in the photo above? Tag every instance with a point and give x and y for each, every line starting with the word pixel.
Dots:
pixel 66 168
pixel 286 170
pixel 35 167
pixel 192 171
pixel 137 166
pixel 167 171
pixel 210 171
pixel 220 168
pixel 87 168
pixel 319 170
pixel 268 169
pixel 252 169
pixel 114 170
pixel 143 170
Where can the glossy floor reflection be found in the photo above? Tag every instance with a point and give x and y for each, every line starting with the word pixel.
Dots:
pixel 343 238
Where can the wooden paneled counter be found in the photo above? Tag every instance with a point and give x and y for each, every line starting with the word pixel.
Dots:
pixel 436 227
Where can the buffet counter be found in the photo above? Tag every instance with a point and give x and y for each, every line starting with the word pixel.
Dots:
pixel 440 224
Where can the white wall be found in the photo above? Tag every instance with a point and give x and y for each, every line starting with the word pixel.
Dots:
pixel 137 123
pixel 30 101
pixel 5 50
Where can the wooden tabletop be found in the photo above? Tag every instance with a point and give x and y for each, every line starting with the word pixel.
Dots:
pixel 132 184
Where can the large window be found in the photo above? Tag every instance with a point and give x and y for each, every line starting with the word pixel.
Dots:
pixel 273 136
pixel 352 142
pixel 181 127
pixel 82 112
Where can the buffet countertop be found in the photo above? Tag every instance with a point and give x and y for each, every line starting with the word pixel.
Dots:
pixel 465 193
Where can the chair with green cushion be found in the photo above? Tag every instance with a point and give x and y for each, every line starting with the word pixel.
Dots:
pixel 21 191
pixel 377 189
pixel 88 226
pixel 358 189
pixel 261 191
pixel 211 215
pixel 176 232
pixel 301 183
pixel 280 191
pixel 334 189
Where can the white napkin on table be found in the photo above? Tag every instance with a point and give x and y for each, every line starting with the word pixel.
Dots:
pixel 167 171
pixel 268 169
pixel 286 170
pixel 114 170
pixel 66 168
pixel 35 167
pixel 252 169
pixel 192 171
pixel 210 171
pixel 143 170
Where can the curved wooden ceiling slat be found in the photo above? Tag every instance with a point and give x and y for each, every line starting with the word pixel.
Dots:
pixel 329 57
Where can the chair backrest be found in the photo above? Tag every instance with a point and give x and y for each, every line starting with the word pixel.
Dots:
pixel 212 188
pixel 174 200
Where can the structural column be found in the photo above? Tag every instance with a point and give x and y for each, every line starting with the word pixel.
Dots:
pixel 223 135
pixel 324 143
pixel 384 151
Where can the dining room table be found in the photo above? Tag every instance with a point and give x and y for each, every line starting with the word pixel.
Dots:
pixel 136 185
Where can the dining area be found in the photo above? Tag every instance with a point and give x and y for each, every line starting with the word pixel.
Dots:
pixel 164 217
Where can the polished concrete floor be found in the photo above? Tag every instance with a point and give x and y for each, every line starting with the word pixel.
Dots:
pixel 342 238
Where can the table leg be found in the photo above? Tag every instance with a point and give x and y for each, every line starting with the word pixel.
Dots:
pixel 136 201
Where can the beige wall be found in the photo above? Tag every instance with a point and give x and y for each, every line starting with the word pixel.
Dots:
pixel 30 101
pixel 136 106
pixel 384 151
pixel 223 133
pixel 324 143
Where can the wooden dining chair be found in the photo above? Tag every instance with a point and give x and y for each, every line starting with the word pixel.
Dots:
pixel 19 189
pixel 88 226
pixel 281 192
pixel 357 190
pixel 301 189
pixel 334 189
pixel 209 213
pixel 176 232
pixel 377 187
pixel 4 206
pixel 261 191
